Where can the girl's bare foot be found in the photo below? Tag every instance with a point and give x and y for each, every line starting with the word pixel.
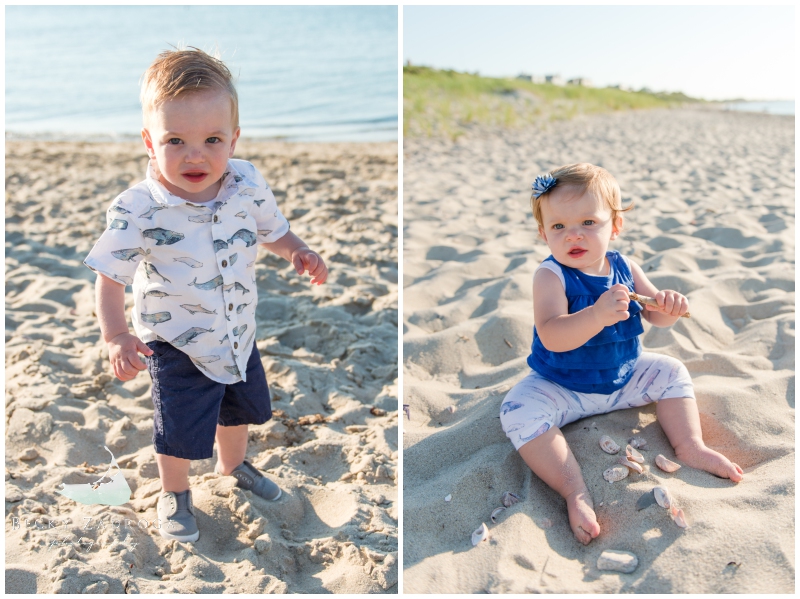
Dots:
pixel 703 458
pixel 582 518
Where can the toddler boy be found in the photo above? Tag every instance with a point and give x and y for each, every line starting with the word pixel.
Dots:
pixel 195 222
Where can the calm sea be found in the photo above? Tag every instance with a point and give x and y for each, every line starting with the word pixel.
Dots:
pixel 304 73
pixel 775 107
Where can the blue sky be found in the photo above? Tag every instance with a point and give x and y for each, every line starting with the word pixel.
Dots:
pixel 712 52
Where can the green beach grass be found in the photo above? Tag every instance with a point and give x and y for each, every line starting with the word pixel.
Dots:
pixel 448 103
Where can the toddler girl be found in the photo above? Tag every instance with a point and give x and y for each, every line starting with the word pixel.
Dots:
pixel 586 357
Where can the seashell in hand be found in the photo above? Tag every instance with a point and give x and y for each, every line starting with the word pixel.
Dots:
pixel 629 464
pixel 509 498
pixel 634 455
pixel 495 512
pixel 481 534
pixel 615 473
pixel 638 443
pixel 665 464
pixel 663 498
pixel 607 444
pixel 678 516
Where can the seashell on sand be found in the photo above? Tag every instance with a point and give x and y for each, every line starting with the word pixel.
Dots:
pixel 509 499
pixel 665 464
pixel 629 464
pixel 450 409
pixel 678 517
pixel 448 498
pixel 617 561
pixel 634 455
pixel 615 473
pixel 638 443
pixel 663 498
pixel 481 534
pixel 495 513
pixel 607 444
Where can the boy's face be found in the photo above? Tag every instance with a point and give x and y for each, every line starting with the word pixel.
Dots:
pixel 578 228
pixel 190 139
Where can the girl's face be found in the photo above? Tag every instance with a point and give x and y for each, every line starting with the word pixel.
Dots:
pixel 577 228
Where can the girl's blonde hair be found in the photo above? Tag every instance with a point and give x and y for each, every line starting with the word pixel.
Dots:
pixel 178 72
pixel 588 177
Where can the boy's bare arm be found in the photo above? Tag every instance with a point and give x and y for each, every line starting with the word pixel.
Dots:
pixel 672 304
pixel 123 347
pixel 290 247
pixel 560 331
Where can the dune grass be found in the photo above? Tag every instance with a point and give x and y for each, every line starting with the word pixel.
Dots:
pixel 449 103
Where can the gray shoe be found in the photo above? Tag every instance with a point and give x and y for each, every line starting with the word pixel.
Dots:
pixel 250 479
pixel 176 512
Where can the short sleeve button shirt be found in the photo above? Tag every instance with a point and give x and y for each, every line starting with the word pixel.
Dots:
pixel 192 265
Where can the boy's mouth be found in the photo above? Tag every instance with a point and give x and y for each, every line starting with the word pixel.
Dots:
pixel 195 177
pixel 577 252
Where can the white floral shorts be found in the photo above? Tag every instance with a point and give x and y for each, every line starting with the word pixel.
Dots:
pixel 536 404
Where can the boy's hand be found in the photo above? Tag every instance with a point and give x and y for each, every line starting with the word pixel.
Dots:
pixel 612 307
pixel 123 353
pixel 671 303
pixel 304 259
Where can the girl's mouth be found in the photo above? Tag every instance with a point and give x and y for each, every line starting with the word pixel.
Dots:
pixel 195 177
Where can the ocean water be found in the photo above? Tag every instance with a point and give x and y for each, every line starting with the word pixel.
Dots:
pixel 774 107
pixel 303 73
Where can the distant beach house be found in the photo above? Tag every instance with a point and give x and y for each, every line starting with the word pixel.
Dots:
pixel 582 81
pixel 531 78
pixel 554 79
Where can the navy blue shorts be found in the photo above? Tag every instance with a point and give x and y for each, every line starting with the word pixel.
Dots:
pixel 188 405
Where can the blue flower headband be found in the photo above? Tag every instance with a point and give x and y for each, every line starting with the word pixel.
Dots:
pixel 543 184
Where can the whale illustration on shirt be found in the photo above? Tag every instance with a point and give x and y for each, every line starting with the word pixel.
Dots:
pixel 189 336
pixel 245 235
pixel 208 285
pixel 163 236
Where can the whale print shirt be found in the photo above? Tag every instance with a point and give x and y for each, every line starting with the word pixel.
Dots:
pixel 192 265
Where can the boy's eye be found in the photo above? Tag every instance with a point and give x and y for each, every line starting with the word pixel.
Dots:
pixel 213 140
pixel 588 222
pixel 558 226
pixel 174 141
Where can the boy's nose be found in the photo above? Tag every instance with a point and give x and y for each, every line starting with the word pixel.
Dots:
pixel 194 155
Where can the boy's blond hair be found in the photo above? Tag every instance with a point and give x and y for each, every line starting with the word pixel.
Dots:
pixel 178 72
pixel 588 177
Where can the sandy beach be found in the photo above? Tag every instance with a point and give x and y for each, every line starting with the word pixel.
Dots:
pixel 714 219
pixel 330 354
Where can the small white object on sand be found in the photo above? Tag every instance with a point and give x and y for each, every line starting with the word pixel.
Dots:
pixel 617 561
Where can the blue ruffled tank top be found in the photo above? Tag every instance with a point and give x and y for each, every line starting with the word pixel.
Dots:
pixel 606 361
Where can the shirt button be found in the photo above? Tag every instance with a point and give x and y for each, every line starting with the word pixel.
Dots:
pixel 235 345
pixel 230 307
pixel 215 218
pixel 224 263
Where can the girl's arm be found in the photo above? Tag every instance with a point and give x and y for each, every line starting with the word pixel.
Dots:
pixel 560 331
pixel 672 304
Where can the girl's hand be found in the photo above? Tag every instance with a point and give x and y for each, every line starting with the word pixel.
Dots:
pixel 123 353
pixel 304 259
pixel 612 307
pixel 671 303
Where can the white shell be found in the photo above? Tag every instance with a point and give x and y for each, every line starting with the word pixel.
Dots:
pixel 495 512
pixel 634 455
pixel 615 473
pixel 638 443
pixel 617 561
pixel 509 498
pixel 448 498
pixel 607 444
pixel 481 534
pixel 663 498
pixel 451 409
pixel 629 464
pixel 678 516
pixel 665 464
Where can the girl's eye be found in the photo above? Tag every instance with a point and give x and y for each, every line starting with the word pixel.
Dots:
pixel 174 141
pixel 588 223
pixel 213 140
